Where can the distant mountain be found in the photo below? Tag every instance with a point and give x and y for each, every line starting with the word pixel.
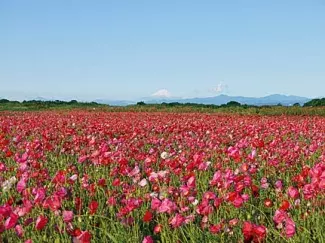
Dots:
pixel 39 98
pixel 221 99
pixel 115 102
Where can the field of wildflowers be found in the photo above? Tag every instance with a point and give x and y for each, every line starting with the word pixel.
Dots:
pixel 88 176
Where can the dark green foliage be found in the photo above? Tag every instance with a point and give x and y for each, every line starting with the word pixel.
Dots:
pixel 315 102
pixel 42 105
pixel 230 107
pixel 4 101
pixel 141 103
pixel 233 103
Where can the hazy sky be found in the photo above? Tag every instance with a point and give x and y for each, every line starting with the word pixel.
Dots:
pixel 132 49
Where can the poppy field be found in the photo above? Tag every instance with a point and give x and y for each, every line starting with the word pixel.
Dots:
pixel 94 176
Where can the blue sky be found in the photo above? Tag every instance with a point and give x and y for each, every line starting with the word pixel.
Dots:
pixel 134 49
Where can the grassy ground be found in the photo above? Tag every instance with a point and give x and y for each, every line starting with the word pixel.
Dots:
pixel 244 110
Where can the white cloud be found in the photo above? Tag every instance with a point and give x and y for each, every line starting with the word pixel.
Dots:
pixel 221 87
pixel 162 93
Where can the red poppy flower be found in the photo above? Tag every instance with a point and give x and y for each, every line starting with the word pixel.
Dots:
pixel 285 205
pixel 41 222
pixel 268 203
pixel 93 207
pixel 147 216
pixel 157 229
